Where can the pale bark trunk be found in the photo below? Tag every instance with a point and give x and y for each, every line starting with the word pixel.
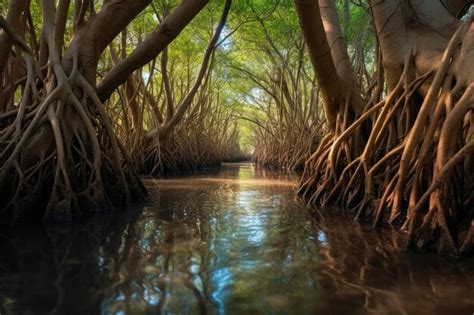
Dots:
pixel 418 137
pixel 321 58
pixel 339 53
pixel 171 122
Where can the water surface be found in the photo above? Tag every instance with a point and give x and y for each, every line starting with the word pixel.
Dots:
pixel 236 242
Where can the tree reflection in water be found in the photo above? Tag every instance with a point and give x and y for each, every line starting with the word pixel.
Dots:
pixel 235 242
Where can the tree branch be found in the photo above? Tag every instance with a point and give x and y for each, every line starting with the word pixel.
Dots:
pixel 457 8
pixel 338 47
pixel 13 19
pixel 163 35
pixel 187 101
pixel 320 53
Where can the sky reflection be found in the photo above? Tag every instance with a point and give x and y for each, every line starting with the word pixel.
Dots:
pixel 236 243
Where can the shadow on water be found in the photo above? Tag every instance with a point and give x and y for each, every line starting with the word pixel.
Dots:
pixel 234 242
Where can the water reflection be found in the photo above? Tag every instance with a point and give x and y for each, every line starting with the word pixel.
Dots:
pixel 236 242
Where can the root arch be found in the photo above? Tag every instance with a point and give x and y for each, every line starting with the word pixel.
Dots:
pixel 414 167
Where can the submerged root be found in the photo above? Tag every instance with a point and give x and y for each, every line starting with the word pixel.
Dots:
pixel 415 167
pixel 61 159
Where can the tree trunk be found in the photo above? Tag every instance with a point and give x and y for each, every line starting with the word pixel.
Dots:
pixel 150 154
pixel 151 47
pixel 60 158
pixel 407 160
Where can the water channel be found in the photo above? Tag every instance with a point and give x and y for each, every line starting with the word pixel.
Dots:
pixel 234 242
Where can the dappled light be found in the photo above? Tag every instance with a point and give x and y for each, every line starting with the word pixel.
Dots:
pixel 217 248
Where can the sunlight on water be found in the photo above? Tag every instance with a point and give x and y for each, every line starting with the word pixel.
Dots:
pixel 237 242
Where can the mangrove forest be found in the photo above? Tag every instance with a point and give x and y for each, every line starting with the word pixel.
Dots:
pixel 236 157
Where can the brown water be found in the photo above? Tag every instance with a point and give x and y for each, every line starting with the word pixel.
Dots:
pixel 236 242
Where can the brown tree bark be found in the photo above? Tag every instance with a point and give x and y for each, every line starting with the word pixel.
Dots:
pixel 93 36
pixel 59 156
pixel 11 68
pixel 323 35
pixel 16 8
pixel 413 168
pixel 172 121
pixel 320 53
pixel 164 34
pixel 149 158
pixel 338 47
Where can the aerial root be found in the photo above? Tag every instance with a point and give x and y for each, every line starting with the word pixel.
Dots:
pixel 80 171
pixel 408 171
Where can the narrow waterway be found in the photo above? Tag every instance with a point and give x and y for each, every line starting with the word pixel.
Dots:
pixel 234 242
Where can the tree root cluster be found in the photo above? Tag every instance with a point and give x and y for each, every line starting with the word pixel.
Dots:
pixel 59 156
pixel 190 147
pixel 281 152
pixel 407 160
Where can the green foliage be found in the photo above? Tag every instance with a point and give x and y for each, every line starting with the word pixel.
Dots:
pixel 260 37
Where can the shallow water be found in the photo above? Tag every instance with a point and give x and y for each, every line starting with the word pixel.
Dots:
pixel 236 242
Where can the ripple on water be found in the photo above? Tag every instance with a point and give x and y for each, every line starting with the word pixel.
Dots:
pixel 236 242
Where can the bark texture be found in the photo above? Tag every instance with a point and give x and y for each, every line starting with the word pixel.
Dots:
pixel 151 47
pixel 59 155
pixel 408 158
